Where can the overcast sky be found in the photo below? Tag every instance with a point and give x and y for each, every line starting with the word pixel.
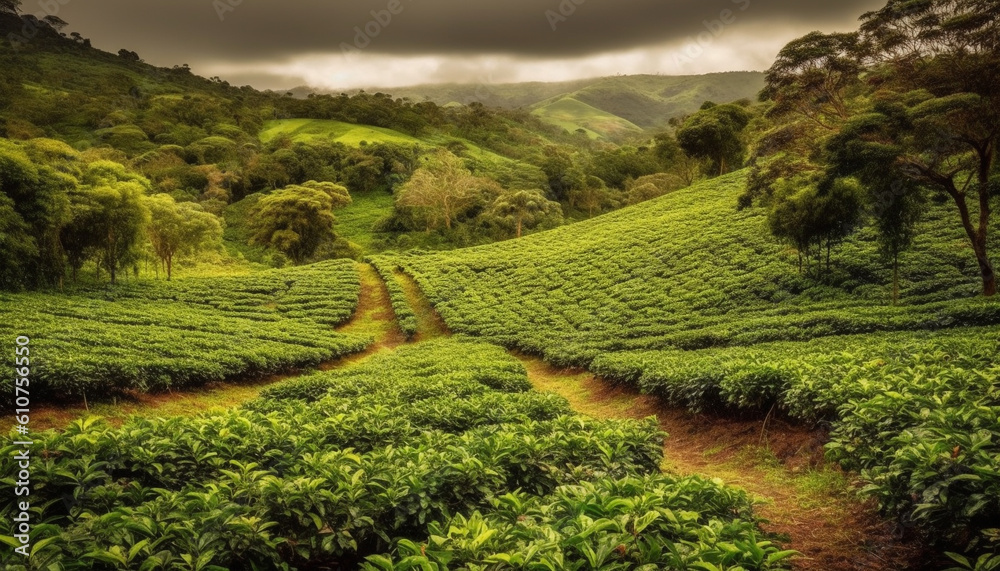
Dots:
pixel 333 44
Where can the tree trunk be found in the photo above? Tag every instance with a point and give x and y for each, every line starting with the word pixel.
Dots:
pixel 977 236
pixel 519 227
pixel 170 266
pixel 982 254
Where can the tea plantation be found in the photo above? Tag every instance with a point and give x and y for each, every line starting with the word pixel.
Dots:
pixel 157 336
pixel 694 301
pixel 435 456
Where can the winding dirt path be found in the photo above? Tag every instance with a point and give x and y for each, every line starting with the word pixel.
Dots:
pixel 373 317
pixel 806 502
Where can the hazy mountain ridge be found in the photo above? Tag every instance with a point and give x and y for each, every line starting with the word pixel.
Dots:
pixel 648 101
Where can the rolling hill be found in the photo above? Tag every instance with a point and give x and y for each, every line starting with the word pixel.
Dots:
pixel 693 301
pixel 647 101
pixel 574 115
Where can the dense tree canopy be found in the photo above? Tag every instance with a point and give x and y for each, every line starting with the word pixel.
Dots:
pixel 716 134
pixel 177 228
pixel 297 219
pixel 524 209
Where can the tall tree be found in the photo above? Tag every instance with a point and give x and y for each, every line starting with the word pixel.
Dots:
pixel 940 61
pixel 179 228
pixel 441 190
pixel 715 133
pixel 295 220
pixel 916 93
pixel 524 208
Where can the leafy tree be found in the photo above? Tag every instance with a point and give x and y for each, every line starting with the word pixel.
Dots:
pixel 652 186
pixel 556 165
pixel 441 190
pixel 928 110
pixel 591 194
pixel 715 133
pixel 524 208
pixel 295 220
pixel 109 216
pixel 17 246
pixel 39 197
pixel 942 58
pixel 108 221
pixel 896 202
pixel 615 166
pixel 813 76
pixel 178 228
pixel 813 216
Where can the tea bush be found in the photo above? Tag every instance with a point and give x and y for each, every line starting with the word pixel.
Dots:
pixel 405 316
pixel 376 464
pixel 159 336
pixel 695 302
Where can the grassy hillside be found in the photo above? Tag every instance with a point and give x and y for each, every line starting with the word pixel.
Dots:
pixel 644 100
pixel 695 302
pixel 572 115
pixel 308 130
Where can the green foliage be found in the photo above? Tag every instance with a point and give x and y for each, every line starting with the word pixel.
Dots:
pixel 692 302
pixel 687 271
pixel 297 219
pixel 858 108
pixel 401 308
pixel 811 216
pixel 715 133
pixel 364 463
pixel 157 336
pixel 524 209
pixel 913 412
pixel 179 228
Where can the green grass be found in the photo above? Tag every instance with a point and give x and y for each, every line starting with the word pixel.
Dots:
pixel 309 130
pixel 356 220
pixel 571 114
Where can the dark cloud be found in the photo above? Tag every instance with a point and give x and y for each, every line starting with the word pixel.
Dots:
pixel 168 32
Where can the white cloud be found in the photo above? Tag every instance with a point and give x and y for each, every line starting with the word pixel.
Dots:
pixel 733 49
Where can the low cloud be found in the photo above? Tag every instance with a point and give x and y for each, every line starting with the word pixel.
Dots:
pixel 400 42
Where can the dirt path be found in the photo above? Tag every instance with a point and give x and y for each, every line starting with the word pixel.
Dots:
pixel 373 317
pixel 805 500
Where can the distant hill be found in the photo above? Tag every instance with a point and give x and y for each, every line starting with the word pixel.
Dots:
pixel 645 101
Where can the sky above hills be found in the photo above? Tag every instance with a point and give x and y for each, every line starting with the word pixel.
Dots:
pixel 388 43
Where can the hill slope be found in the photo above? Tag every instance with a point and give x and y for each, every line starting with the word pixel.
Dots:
pixel 694 302
pixel 646 100
pixel 573 115
pixel 686 270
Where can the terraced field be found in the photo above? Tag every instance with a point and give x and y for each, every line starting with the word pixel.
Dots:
pixel 692 301
pixel 438 455
pixel 158 336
